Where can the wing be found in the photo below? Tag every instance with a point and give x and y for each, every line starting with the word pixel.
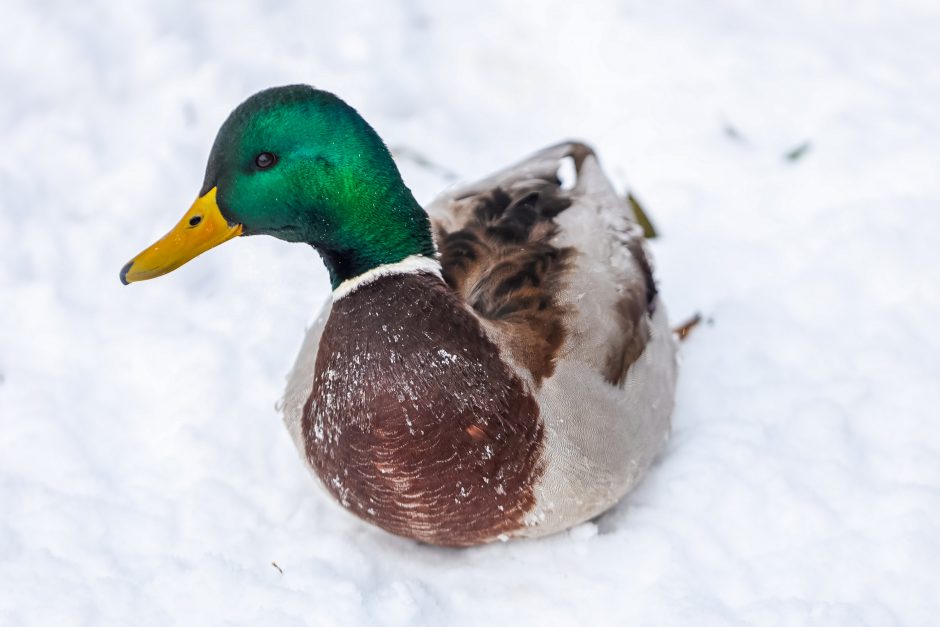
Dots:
pixel 558 271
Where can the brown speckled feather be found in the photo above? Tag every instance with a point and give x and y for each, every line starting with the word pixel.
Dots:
pixel 632 312
pixel 503 259
pixel 502 263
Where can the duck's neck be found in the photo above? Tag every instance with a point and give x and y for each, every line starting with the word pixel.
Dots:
pixel 397 234
pixel 412 264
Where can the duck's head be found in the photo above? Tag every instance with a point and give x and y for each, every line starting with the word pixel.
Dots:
pixel 301 165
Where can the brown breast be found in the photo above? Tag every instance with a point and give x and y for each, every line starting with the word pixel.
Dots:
pixel 414 423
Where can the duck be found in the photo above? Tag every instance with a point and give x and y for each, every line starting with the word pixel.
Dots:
pixel 496 366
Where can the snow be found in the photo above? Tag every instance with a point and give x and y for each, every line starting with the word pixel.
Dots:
pixel 145 476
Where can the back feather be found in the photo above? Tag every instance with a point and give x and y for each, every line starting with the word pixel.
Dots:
pixel 501 251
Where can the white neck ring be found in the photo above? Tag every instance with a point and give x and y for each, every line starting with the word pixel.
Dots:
pixel 413 264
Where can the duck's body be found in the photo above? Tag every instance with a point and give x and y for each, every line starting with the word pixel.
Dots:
pixel 503 368
pixel 522 387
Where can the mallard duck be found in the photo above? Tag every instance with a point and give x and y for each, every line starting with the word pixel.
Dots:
pixel 497 366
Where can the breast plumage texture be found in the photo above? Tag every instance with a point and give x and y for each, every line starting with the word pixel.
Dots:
pixel 557 278
pixel 413 421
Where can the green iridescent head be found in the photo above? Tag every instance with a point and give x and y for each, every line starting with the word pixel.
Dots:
pixel 301 165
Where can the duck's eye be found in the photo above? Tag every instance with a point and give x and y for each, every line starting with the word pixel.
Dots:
pixel 265 160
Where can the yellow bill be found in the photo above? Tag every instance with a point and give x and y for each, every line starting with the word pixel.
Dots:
pixel 202 228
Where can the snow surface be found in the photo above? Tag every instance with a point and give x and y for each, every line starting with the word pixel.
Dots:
pixel 145 476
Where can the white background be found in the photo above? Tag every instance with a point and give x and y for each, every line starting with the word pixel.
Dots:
pixel 145 476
